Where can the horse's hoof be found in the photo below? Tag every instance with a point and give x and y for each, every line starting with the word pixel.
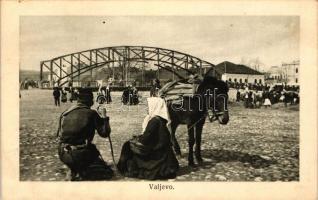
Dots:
pixel 192 165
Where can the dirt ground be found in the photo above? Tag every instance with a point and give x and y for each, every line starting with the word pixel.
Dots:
pixel 256 145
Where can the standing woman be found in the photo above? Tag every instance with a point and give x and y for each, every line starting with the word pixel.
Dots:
pixel 71 91
pixel 155 87
pixel 64 95
pixel 108 95
pixel 246 103
pixel 150 155
pixel 267 102
pixel 238 95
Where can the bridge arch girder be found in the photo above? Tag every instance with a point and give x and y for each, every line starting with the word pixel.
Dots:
pixel 73 65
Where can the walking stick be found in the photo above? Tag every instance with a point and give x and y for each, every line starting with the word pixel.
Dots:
pixel 109 139
pixel 112 151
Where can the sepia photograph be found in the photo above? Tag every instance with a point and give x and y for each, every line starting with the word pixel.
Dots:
pixel 182 98
pixel 158 100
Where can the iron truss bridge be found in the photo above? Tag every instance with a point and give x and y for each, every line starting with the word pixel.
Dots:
pixel 70 67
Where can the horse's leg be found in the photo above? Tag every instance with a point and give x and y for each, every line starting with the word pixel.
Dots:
pixel 191 143
pixel 174 140
pixel 198 133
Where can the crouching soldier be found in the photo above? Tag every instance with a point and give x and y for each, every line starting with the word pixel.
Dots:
pixel 76 131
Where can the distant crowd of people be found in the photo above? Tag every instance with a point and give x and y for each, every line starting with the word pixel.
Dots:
pixel 129 96
pixel 262 87
pixel 257 95
pixel 27 83
pixel 63 94
pixel 253 95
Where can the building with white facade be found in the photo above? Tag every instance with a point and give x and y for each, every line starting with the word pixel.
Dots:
pixel 239 73
pixel 290 72
pixel 287 73
pixel 275 73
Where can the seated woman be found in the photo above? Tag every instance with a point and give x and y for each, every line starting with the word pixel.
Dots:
pixel 150 155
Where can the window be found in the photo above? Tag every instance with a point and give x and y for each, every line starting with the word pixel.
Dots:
pixel 240 80
pixel 230 79
pixel 296 80
pixel 260 81
pixel 235 80
pixel 246 80
pixel 255 81
pixel 296 70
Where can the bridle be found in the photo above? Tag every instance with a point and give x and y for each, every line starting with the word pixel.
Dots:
pixel 215 114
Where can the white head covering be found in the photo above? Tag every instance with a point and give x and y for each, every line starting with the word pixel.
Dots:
pixel 156 107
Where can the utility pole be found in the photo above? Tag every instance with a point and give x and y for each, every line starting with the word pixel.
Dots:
pixel 158 58
pixel 143 67
pixel 225 70
pixel 172 65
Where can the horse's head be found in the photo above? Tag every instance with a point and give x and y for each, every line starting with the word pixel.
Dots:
pixel 216 95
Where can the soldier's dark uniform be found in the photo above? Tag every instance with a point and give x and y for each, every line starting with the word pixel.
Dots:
pixel 76 130
pixel 56 95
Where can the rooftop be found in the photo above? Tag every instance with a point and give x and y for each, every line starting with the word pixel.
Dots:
pixel 231 68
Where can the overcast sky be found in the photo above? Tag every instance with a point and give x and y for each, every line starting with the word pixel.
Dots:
pixel 238 39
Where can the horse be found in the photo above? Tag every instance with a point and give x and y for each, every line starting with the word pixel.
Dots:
pixel 290 97
pixel 211 95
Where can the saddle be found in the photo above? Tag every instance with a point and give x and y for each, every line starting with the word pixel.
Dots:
pixel 174 91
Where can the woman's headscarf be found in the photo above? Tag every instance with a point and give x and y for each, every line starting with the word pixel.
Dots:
pixel 157 107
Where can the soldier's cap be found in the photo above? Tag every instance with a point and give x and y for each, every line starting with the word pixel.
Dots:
pixel 85 94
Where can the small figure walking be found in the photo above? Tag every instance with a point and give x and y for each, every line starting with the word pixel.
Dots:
pixel 56 95
pixel 238 95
